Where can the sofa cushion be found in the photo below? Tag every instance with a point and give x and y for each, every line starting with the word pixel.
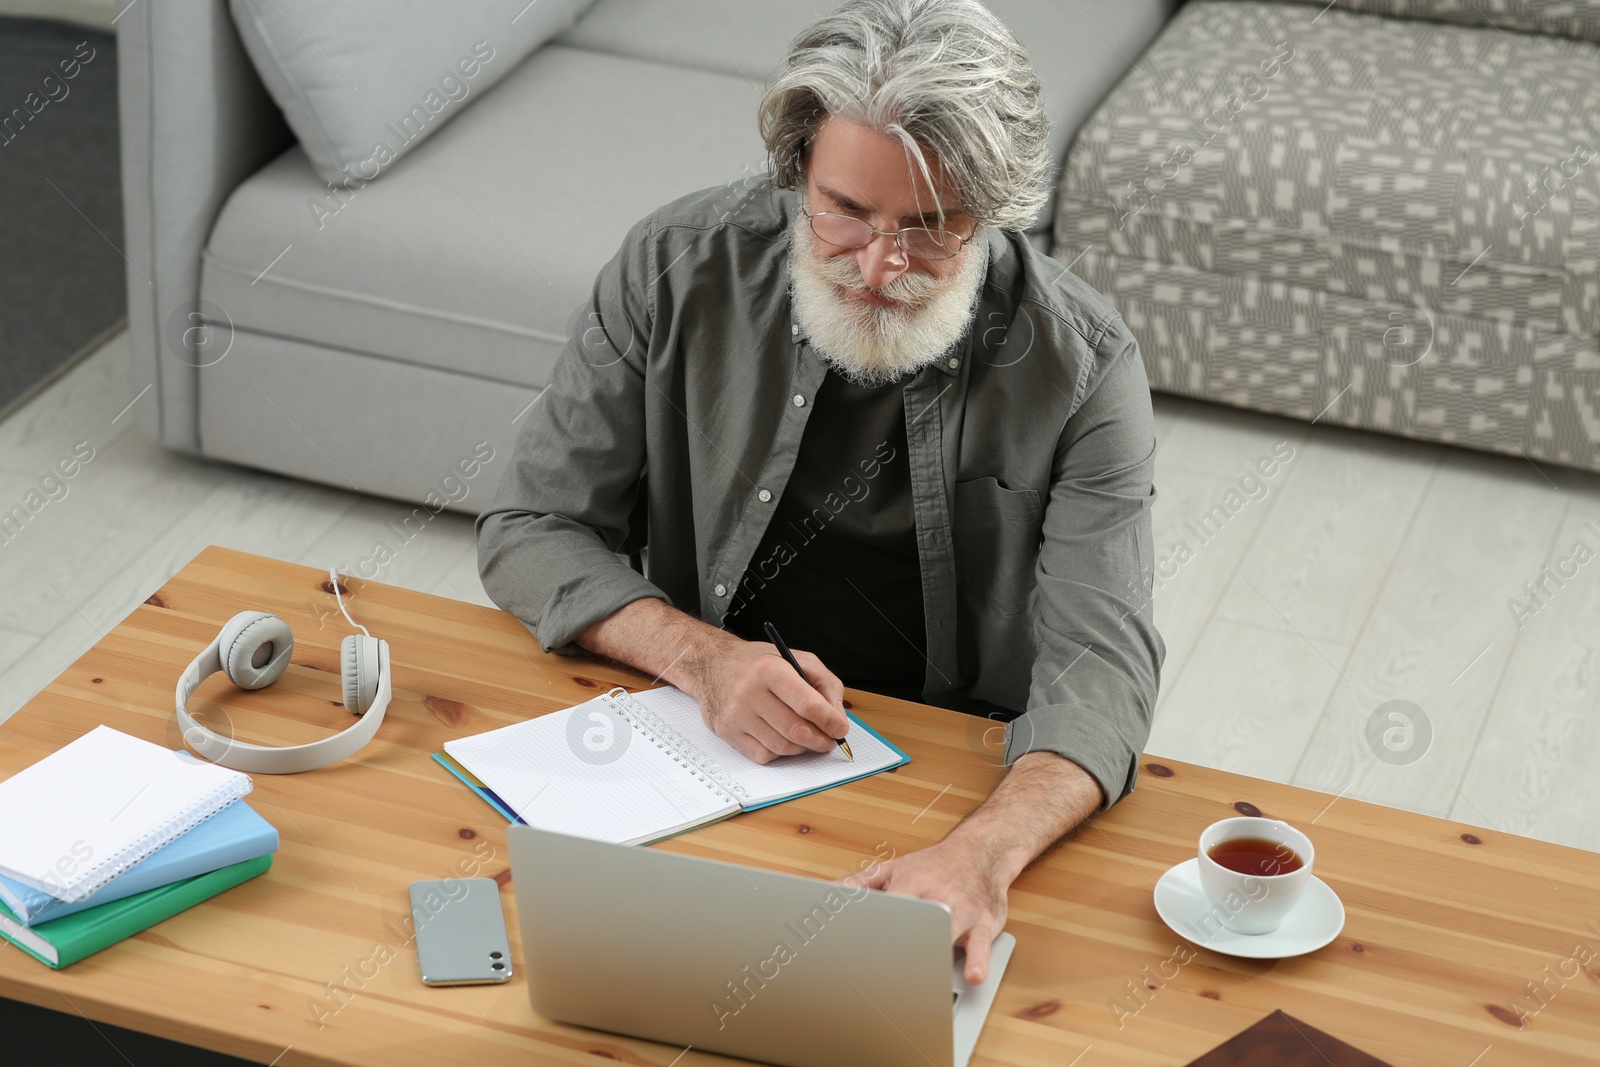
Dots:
pixel 1578 19
pixel 475 255
pixel 362 82
pixel 1299 208
pixel 734 37
pixel 1077 60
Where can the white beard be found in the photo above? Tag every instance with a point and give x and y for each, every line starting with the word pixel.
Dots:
pixel 872 345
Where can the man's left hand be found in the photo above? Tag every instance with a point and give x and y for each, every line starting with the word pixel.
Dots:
pixel 1042 797
pixel 961 877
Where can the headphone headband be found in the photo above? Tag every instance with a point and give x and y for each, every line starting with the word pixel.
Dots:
pixel 289 759
pixel 267 759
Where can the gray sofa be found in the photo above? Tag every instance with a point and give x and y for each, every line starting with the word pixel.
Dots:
pixel 374 346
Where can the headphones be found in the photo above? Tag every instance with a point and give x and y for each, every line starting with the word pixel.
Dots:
pixel 253 649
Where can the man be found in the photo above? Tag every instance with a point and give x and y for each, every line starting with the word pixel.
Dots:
pixel 856 402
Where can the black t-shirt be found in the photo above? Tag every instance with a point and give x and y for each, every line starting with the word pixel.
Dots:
pixel 837 571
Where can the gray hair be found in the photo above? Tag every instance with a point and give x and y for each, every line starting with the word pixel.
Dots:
pixel 945 75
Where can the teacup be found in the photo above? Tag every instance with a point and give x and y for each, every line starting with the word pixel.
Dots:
pixel 1253 872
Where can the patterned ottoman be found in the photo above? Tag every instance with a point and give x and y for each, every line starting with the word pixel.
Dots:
pixel 1383 222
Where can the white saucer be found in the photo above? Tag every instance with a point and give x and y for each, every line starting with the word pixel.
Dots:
pixel 1314 922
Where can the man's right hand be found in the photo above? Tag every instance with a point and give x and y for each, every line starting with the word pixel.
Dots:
pixel 760 705
pixel 748 693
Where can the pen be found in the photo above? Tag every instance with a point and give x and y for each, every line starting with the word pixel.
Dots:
pixel 783 650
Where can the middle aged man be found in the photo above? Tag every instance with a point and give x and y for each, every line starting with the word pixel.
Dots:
pixel 855 401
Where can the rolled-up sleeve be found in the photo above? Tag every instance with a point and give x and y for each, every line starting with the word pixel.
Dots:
pixel 548 540
pixel 1098 655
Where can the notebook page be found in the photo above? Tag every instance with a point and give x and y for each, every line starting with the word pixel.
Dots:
pixel 96 806
pixel 541 768
pixel 785 776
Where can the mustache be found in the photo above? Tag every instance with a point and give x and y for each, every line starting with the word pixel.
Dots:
pixel 909 288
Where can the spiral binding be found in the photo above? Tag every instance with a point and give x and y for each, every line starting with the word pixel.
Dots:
pixel 674 744
pixel 97 875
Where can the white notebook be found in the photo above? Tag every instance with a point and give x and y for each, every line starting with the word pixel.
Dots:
pixel 95 807
pixel 634 768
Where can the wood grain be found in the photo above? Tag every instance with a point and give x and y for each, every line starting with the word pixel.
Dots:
pixel 1323 553
pixel 1244 698
pixel 1446 921
pixel 1440 633
pixel 1194 563
pixel 1533 766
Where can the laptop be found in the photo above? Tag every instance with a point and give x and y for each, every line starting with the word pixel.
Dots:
pixel 766 966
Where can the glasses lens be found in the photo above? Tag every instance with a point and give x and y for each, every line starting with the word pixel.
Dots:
pixel 930 244
pixel 841 230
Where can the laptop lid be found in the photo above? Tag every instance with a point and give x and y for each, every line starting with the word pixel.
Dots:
pixel 795 971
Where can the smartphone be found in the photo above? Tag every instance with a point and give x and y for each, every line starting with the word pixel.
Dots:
pixel 461 931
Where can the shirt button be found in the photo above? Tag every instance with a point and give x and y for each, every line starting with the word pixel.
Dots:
pixel 720 589
pixel 799 401
pixel 954 362
pixel 764 495
pixel 794 330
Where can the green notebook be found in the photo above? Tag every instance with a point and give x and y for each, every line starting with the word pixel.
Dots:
pixel 64 941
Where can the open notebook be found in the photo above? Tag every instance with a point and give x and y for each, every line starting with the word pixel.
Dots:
pixel 635 768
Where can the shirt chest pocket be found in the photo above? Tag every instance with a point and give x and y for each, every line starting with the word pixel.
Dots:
pixel 997 532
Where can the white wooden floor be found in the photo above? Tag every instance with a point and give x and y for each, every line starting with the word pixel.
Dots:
pixel 1365 570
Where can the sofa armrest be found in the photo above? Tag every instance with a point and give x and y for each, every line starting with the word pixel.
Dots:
pixel 195 121
pixel 1080 50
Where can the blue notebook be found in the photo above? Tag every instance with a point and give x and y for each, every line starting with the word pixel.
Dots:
pixel 636 768
pixel 477 787
pixel 233 835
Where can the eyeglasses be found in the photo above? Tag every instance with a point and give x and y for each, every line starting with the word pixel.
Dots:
pixel 845 231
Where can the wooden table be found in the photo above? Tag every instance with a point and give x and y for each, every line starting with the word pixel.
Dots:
pixel 1447 924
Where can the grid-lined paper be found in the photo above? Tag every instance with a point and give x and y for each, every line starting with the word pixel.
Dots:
pixel 555 783
pixel 785 776
pixel 99 805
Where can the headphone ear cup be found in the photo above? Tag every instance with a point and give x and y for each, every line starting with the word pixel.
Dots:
pixel 358 656
pixel 255 648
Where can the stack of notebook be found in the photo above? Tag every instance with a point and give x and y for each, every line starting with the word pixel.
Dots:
pixel 111 835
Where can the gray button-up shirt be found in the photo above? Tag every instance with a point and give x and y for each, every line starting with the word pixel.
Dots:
pixel 676 412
